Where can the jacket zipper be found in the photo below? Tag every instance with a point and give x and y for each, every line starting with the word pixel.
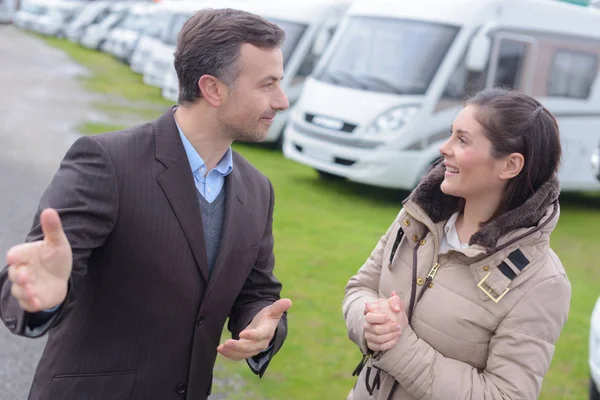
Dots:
pixel 433 271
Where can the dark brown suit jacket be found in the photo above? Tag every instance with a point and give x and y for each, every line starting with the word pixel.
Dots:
pixel 143 318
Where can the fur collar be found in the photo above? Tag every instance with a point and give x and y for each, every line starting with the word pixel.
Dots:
pixel 439 207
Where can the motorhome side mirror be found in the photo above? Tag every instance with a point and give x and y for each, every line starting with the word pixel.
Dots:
pixel 479 53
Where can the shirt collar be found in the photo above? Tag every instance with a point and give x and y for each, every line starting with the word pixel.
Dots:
pixel 451 235
pixel 224 167
pixel 450 224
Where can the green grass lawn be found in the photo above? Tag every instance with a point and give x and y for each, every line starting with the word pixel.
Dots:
pixel 323 233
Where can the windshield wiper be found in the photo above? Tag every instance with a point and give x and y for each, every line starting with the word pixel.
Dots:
pixel 386 85
pixel 346 78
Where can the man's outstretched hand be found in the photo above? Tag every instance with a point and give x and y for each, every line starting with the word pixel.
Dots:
pixel 40 270
pixel 258 334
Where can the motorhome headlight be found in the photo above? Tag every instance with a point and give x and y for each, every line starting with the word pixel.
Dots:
pixel 392 120
pixel 596 162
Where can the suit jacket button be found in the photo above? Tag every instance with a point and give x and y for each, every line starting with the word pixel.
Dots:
pixel 181 388
pixel 200 320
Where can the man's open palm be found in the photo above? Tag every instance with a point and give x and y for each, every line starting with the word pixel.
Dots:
pixel 258 334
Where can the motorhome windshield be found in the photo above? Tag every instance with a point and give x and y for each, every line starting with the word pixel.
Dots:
pixel 62 14
pixel 388 55
pixel 293 34
pixel 157 25
pixel 112 19
pixel 35 9
pixel 178 21
pixel 133 22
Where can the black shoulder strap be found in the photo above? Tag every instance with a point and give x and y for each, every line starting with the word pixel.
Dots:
pixel 399 237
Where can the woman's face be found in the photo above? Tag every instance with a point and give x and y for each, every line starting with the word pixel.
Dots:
pixel 471 171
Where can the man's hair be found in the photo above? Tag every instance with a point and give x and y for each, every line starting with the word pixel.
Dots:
pixel 209 44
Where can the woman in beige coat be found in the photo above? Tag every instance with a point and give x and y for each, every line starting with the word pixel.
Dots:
pixel 463 298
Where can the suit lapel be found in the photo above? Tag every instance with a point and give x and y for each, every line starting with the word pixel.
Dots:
pixel 177 182
pixel 235 197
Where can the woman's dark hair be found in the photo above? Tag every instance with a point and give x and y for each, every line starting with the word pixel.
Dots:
pixel 517 123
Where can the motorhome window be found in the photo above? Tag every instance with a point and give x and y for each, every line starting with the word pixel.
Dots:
pixel 307 66
pixel 509 69
pixel 61 13
pixel 293 33
pixel 143 23
pixel 87 15
pixel 311 59
pixel 101 17
pixel 158 24
pixel 129 22
pixel 572 74
pixel 35 9
pixel 112 19
pixel 463 82
pixel 388 55
pixel 178 22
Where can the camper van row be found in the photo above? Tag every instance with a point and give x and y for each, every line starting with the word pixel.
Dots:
pixel 374 85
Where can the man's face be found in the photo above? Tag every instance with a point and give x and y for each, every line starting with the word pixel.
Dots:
pixel 249 107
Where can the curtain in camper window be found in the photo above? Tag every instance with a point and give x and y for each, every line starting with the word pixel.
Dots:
pixel 572 74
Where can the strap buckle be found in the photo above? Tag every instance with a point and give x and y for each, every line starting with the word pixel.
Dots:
pixel 489 290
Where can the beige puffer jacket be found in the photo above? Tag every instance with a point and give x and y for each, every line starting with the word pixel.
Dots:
pixel 486 326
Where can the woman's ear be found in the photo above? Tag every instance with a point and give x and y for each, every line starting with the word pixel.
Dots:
pixel 513 165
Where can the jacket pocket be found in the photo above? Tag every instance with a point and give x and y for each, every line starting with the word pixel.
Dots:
pixel 113 386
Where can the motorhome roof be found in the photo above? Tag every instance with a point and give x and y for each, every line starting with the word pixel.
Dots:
pixel 182 5
pixel 304 11
pixel 57 3
pixel 546 15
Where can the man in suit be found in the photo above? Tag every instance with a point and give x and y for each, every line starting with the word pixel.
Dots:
pixel 148 239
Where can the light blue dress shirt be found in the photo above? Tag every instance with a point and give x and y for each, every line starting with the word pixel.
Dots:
pixel 211 185
pixel 209 188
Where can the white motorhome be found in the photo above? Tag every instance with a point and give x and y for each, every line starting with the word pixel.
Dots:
pixel 124 37
pixel 151 38
pixel 30 12
pixel 596 162
pixel 93 13
pixel 308 26
pixel 383 97
pixel 8 8
pixel 96 34
pixel 60 13
pixel 594 353
pixel 161 56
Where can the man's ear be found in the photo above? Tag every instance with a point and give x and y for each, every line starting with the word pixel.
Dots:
pixel 210 90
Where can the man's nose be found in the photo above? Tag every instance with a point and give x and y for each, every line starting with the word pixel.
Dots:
pixel 281 102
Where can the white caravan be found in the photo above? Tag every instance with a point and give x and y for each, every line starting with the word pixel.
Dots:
pixel 383 97
pixel 594 353
pixel 124 37
pixel 30 12
pixel 596 162
pixel 8 8
pixel 92 14
pixel 308 26
pixel 151 38
pixel 161 56
pixel 60 13
pixel 96 34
